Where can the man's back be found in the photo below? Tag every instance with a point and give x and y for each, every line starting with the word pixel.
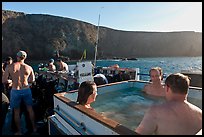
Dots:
pixel 20 72
pixel 173 118
pixel 51 67
pixel 64 67
pixel 177 118
pixel 21 75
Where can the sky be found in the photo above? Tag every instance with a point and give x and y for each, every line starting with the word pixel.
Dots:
pixel 127 16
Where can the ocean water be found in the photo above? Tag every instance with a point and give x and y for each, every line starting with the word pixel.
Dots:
pixel 168 64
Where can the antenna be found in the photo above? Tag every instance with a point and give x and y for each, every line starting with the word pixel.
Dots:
pixel 97 41
pixel 96 47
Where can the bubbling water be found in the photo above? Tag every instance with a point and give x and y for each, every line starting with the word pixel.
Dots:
pixel 126 106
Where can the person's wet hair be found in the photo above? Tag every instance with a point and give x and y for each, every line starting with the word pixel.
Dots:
pixel 85 90
pixel 178 83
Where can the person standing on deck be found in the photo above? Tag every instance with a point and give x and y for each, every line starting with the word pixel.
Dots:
pixel 100 79
pixel 21 75
pixel 176 116
pixel 7 62
pixel 8 85
pixel 4 109
pixel 51 66
pixel 62 65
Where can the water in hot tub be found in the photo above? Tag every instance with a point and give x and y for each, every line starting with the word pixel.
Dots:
pixel 125 106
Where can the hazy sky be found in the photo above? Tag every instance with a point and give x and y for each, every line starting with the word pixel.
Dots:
pixel 130 16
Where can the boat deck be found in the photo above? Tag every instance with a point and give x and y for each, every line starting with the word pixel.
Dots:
pixel 42 128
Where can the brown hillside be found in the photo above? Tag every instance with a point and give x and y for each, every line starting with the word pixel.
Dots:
pixel 41 35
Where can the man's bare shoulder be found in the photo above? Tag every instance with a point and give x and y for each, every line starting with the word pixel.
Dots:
pixel 10 66
pixel 153 111
pixel 159 108
pixel 196 108
pixel 27 66
pixel 147 86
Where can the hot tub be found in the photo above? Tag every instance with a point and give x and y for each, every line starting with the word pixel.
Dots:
pixel 118 109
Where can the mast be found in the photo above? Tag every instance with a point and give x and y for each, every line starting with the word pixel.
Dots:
pixel 97 41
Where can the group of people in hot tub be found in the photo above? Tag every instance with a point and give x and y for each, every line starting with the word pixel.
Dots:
pixel 176 116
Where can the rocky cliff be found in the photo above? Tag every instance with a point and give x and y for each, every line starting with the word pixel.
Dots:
pixel 42 35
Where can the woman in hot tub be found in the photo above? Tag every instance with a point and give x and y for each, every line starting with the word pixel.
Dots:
pixel 87 93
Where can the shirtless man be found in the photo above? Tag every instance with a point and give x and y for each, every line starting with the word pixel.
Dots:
pixel 62 66
pixel 176 116
pixel 8 85
pixel 7 62
pixel 51 66
pixel 155 88
pixel 21 75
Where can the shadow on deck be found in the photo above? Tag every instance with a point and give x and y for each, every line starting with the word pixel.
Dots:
pixel 42 127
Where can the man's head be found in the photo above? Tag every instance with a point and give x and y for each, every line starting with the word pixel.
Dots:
pixel 178 83
pixel 87 92
pixel 22 55
pixel 59 60
pixel 51 61
pixel 9 60
pixel 156 74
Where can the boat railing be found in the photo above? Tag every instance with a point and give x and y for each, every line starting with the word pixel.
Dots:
pixel 83 71
pixel 134 73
